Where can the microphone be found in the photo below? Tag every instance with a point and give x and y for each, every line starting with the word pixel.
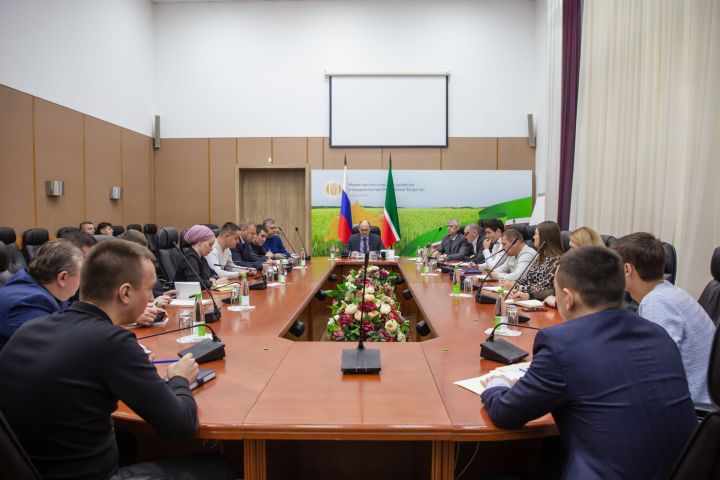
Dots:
pixel 287 240
pixel 439 229
pixel 484 299
pixel 215 315
pixel 302 243
pixel 542 245
pixel 469 271
pixel 203 351
pixel 500 350
pixel 360 359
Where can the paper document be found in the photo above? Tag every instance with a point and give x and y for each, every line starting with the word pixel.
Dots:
pixel 493 288
pixel 515 372
pixel 526 303
pixel 187 302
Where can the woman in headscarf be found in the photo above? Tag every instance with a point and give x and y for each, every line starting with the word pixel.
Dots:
pixel 201 240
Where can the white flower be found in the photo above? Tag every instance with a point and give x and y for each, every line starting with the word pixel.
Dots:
pixel 385 308
pixel 336 317
pixel 373 314
pixel 373 268
pixel 348 297
pixel 369 290
pixel 358 315
pixel 401 337
pixel 391 326
pixel 369 297
pixel 350 309
pixel 331 321
pixel 348 284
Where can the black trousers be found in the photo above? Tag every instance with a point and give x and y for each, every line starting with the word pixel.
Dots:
pixel 198 467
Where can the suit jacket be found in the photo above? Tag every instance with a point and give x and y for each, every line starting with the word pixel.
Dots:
pixel 476 255
pixel 243 256
pixel 616 387
pixel 456 249
pixel 353 243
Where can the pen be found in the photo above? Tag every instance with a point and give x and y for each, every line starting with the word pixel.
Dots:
pixel 166 361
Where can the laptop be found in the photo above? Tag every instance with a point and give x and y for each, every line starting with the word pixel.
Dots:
pixel 186 294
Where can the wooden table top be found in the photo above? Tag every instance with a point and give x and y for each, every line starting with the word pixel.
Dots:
pixel 268 387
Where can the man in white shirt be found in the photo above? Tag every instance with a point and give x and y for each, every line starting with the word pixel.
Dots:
pixel 220 258
pixel 668 306
pixel 492 245
pixel 518 256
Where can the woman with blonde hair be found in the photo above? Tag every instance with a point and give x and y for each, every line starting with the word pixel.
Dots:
pixel 585 237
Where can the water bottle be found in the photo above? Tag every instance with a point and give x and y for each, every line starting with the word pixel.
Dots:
pixel 303 258
pixel 332 252
pixel 425 267
pixel 199 320
pixel 281 272
pixel 457 281
pixel 500 312
pixel 244 292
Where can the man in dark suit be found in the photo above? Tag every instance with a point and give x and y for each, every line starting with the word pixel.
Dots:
pixel 454 246
pixel 242 254
pixel 474 237
pixel 362 242
pixel 614 382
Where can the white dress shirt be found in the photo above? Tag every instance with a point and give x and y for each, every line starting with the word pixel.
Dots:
pixel 513 267
pixel 218 256
pixel 497 260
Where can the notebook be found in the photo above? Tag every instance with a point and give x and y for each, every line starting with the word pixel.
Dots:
pixel 204 376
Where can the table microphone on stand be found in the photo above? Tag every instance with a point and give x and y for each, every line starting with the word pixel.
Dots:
pixel 215 315
pixel 203 351
pixel 499 350
pixel 302 243
pixel 486 299
pixel 361 359
pixel 287 239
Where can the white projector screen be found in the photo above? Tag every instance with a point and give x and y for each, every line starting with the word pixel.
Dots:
pixel 388 111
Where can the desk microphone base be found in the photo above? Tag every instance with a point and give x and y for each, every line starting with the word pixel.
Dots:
pixel 498 350
pixel 355 361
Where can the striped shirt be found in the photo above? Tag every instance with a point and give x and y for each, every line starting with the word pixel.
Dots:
pixel 689 326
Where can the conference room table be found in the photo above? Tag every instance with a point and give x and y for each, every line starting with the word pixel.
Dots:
pixel 271 386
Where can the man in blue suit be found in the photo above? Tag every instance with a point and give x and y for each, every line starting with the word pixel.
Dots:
pixel 614 382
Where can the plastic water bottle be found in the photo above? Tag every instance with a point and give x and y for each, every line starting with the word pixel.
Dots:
pixel 332 252
pixel 281 272
pixel 199 320
pixel 303 258
pixel 457 281
pixel 500 312
pixel 244 292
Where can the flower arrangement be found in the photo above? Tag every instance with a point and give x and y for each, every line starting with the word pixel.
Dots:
pixel 379 310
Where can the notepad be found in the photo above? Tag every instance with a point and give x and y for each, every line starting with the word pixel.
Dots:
pixel 187 302
pixel 515 371
pixel 526 303
pixel 493 289
pixel 204 376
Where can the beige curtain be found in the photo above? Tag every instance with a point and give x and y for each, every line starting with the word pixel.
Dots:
pixel 647 155
pixel 548 128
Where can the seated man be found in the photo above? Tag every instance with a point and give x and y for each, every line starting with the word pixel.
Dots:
pixel 492 243
pixel 363 241
pixel 472 235
pixel 220 258
pixel 454 246
pixel 242 254
pixel 51 279
pixel 87 227
pixel 84 241
pixel 613 382
pixel 258 243
pixel 670 307
pixel 518 256
pixel 273 242
pixel 77 365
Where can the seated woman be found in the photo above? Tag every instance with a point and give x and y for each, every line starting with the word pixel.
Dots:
pixel 585 237
pixel 537 283
pixel 201 240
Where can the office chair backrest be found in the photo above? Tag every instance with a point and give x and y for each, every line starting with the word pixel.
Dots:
pixel 565 236
pixel 32 239
pixel 373 229
pixel 102 238
pixel 211 226
pixel 181 240
pixel 118 230
pixel 150 231
pixel 608 240
pixel 17 261
pixel 700 459
pixel 135 226
pixel 15 462
pixel 670 262
pixel 167 254
pixel 5 274
pixel 710 297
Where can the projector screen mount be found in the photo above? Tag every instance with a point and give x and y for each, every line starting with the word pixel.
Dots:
pixel 380 110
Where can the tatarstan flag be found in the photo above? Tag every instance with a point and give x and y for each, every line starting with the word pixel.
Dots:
pixel 391 226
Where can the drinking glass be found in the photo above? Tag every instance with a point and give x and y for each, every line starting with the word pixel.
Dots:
pixel 185 320
pixel 512 315
pixel 235 299
pixel 468 285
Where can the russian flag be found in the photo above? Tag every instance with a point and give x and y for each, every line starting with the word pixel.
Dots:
pixel 345 224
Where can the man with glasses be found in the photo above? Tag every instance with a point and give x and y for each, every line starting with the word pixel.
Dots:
pixel 454 246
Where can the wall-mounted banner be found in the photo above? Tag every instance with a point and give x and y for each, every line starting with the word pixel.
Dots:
pixel 426 200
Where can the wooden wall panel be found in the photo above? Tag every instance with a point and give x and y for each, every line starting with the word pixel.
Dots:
pixel 59 156
pixel 253 152
pixel 17 199
pixel 223 176
pixel 515 154
pixel 315 152
pixel 358 158
pixel 470 154
pixel 102 170
pixel 290 152
pixel 136 180
pixel 412 158
pixel 259 199
pixel 181 182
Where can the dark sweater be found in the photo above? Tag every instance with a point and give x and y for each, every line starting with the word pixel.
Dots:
pixel 186 274
pixel 61 378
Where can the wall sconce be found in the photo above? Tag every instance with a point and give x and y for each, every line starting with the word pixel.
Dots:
pixel 269 161
pixel 54 188
pixel 115 193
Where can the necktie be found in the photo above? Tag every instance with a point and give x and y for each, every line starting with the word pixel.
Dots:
pixel 364 245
